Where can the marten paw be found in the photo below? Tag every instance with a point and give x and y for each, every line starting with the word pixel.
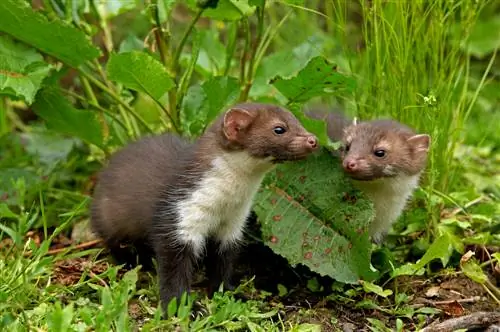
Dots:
pixel 198 310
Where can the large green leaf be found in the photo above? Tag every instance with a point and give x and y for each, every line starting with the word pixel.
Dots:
pixel 311 214
pixel 318 78
pixel 141 72
pixel 22 69
pixel 204 102
pixel 55 38
pixel 61 116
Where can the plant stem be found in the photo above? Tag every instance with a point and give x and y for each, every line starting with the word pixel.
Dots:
pixel 183 41
pixel 243 61
pixel 250 71
pixel 160 37
pixel 117 98
pixel 4 105
pixel 93 101
pixel 97 107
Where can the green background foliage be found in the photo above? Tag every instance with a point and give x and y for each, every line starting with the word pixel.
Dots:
pixel 79 79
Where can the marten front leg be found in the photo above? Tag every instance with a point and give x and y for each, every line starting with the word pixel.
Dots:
pixel 175 269
pixel 220 264
pixel 222 252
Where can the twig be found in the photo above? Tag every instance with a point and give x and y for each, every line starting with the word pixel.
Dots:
pixel 77 247
pixel 475 320
pixel 467 300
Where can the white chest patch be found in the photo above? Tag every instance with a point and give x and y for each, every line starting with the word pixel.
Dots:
pixel 221 201
pixel 389 196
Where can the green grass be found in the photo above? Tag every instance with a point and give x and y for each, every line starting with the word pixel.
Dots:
pixel 422 63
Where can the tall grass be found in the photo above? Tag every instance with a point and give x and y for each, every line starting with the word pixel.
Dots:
pixel 411 68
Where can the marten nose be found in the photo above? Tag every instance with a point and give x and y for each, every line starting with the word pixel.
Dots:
pixel 312 141
pixel 350 165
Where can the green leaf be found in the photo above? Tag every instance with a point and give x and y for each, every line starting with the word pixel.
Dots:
pixel 62 117
pixel 282 290
pixel 311 214
pixel 484 37
pixel 472 270
pixel 141 72
pixel 22 69
pixel 203 103
pixel 318 78
pixel 226 10
pixel 48 146
pixel 317 127
pixel 55 37
pixel 372 288
pixel 441 249
pixel 284 63
pixel 5 212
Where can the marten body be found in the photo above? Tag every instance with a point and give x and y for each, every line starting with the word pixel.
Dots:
pixel 384 158
pixel 183 200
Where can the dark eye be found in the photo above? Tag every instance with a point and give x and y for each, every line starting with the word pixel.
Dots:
pixel 379 153
pixel 346 147
pixel 279 130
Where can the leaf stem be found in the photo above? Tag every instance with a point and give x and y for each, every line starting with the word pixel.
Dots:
pixel 250 71
pixel 183 41
pixel 160 37
pixel 243 60
pixel 117 98
pixel 97 107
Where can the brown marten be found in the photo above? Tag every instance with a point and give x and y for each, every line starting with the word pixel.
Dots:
pixel 178 200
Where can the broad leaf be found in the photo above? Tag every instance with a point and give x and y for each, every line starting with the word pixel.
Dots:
pixel 22 69
pixel 203 103
pixel 311 214
pixel 285 63
pixel 484 37
pixel 50 147
pixel 472 270
pixel 372 288
pixel 61 116
pixel 55 37
pixel 141 72
pixel 318 78
pixel 441 249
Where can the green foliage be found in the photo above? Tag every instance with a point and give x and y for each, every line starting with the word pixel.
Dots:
pixel 22 70
pixel 175 65
pixel 318 78
pixel 140 72
pixel 324 229
pixel 64 118
pixel 53 37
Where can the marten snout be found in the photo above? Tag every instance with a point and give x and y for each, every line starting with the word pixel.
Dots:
pixel 351 165
pixel 312 142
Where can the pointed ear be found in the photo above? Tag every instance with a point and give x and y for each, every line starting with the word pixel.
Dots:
pixel 420 143
pixel 236 120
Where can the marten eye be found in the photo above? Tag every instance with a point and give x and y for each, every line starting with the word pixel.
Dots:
pixel 346 147
pixel 379 153
pixel 279 130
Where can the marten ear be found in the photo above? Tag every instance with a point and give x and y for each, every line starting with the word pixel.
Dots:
pixel 420 143
pixel 236 120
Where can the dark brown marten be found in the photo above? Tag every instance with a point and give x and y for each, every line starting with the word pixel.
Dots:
pixel 178 201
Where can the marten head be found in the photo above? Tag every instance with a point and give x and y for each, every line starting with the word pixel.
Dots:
pixel 383 148
pixel 265 131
